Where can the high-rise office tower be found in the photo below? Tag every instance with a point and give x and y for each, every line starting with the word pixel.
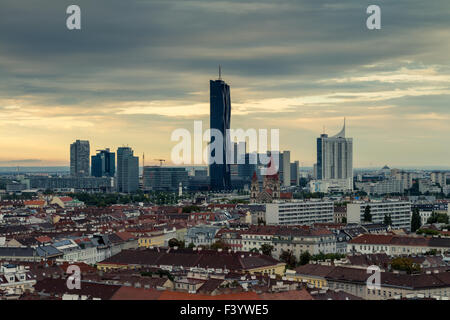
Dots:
pixel 285 168
pixel 103 164
pixel 127 170
pixel 220 114
pixel 295 173
pixel 79 158
pixel 334 156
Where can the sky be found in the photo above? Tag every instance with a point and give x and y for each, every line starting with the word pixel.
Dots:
pixel 139 69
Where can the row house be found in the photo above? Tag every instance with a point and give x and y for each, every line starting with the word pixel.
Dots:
pixel 397 245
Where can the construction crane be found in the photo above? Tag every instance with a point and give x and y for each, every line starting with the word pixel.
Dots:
pixel 160 161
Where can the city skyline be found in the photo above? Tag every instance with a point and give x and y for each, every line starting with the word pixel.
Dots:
pixel 296 66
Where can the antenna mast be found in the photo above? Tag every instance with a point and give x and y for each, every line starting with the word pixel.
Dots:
pixel 220 72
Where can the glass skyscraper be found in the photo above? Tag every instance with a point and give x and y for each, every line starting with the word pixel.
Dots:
pixel 79 158
pixel 127 170
pixel 103 164
pixel 220 114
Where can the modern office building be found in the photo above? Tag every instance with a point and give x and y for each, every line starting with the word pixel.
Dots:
pixel 220 115
pixel 103 164
pixel 164 178
pixel 299 212
pixel 246 170
pixel 335 157
pixel 91 184
pixel 285 168
pixel 127 170
pixel 295 173
pixel 79 158
pixel 399 211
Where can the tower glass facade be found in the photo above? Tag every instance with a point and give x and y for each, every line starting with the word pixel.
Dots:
pixel 127 170
pixel 103 164
pixel 220 114
pixel 79 158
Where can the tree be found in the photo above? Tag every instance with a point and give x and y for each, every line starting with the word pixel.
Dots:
pixel 266 249
pixel 176 243
pixel 367 214
pixel 405 264
pixel 344 219
pixel 387 219
pixel 305 257
pixel 288 258
pixel 191 245
pixel 219 244
pixel 438 218
pixel 416 222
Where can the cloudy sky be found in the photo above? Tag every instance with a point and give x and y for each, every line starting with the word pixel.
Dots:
pixel 139 69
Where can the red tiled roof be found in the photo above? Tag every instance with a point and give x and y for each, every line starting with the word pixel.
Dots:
pixel 125 236
pixel 287 295
pixel 171 295
pixel 131 293
pixel 372 239
pixel 65 199
pixel 286 195
pixel 43 239
pixel 34 202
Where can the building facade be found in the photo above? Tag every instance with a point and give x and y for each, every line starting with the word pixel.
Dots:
pixel 334 157
pixel 127 170
pixel 220 116
pixel 79 158
pixel 399 211
pixel 299 212
pixel 103 164
pixel 164 178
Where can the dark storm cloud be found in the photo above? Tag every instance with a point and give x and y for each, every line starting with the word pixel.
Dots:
pixel 170 38
pixel 291 64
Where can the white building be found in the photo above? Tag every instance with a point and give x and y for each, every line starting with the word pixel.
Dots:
pixel 428 186
pixel 335 157
pixel 399 211
pixel 439 178
pixel 15 279
pixel 331 185
pixel 406 177
pixel 382 187
pixel 299 212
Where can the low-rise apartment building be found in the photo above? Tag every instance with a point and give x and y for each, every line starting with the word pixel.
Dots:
pixel 394 245
pixel 399 211
pixel 299 212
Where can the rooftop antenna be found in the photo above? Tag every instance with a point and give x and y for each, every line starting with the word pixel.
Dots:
pixel 220 72
pixel 143 159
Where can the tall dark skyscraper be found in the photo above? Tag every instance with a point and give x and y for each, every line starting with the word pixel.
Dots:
pixel 220 114
pixel 79 158
pixel 127 170
pixel 103 164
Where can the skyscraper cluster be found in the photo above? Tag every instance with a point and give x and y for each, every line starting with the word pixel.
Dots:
pixel 103 164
